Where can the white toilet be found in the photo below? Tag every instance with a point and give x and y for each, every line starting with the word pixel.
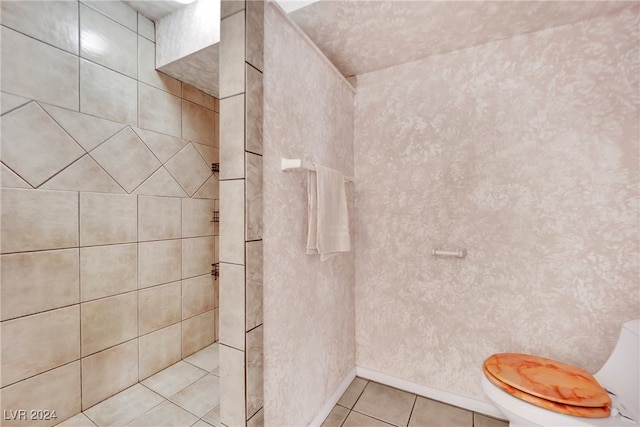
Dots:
pixel 620 377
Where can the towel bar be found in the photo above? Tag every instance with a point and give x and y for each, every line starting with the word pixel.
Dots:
pixel 300 164
pixel 458 254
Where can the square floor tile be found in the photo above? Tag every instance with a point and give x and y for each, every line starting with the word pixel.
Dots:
pixel 480 420
pixel 336 417
pixel 173 379
pixel 213 417
pixel 166 414
pixel 353 392
pixel 200 397
pixel 124 406
pixel 356 419
pixel 208 358
pixel 386 403
pixel 428 413
pixel 79 420
pixel 201 423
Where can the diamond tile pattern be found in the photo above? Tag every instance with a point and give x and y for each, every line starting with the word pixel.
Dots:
pixel 129 170
pixel 88 131
pixel 34 146
pixel 189 169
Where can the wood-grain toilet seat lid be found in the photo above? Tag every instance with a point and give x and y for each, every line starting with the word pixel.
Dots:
pixel 549 384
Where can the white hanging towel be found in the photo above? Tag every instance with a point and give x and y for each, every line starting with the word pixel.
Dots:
pixel 328 232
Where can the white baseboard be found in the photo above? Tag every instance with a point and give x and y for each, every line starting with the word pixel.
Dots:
pixel 328 406
pixel 432 393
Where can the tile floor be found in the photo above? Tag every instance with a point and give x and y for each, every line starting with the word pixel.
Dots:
pixel 369 404
pixel 183 395
pixel 187 394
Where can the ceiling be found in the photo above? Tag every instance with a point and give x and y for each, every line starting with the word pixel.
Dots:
pixel 360 36
pixel 364 36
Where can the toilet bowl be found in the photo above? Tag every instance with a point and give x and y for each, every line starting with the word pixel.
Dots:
pixel 619 377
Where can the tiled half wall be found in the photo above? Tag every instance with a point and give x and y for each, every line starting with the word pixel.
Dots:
pixel 241 65
pixel 108 198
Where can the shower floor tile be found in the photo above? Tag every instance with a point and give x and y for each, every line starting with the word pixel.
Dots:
pixel 380 405
pixel 185 394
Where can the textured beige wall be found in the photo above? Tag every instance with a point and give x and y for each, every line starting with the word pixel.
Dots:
pixel 309 343
pixel 525 152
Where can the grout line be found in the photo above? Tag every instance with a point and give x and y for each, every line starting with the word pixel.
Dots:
pixel 415 400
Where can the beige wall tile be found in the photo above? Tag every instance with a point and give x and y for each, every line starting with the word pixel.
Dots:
pixel 118 11
pixel 34 146
pixel 254 98
pixel 229 7
pixel 58 389
pixel 118 45
pixel 255 395
pixel 109 321
pixel 161 183
pixel 232 311
pixel 232 137
pixel 28 280
pixel 108 270
pixel 55 23
pixel 159 111
pixel 197 217
pixel 34 220
pixel 209 190
pixel 197 256
pixel 109 372
pixel 197 333
pixel 126 158
pixel 159 307
pixel 10 102
pixel 163 146
pixel 216 142
pixel 257 420
pixel 53 336
pixel 107 218
pixel 209 154
pixel 78 420
pixel 84 175
pixel 159 218
pixel 254 285
pixel 198 123
pixel 159 262
pixel 10 179
pixel 197 96
pixel 253 197
pixel 86 130
pixel 107 93
pixel 146 28
pixel 232 55
pixel 232 381
pixel 232 221
pixel 159 350
pixel 38 71
pixel 147 68
pixel 255 33
pixel 197 295
pixel 189 169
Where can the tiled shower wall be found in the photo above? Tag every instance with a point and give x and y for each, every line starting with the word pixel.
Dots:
pixel 107 207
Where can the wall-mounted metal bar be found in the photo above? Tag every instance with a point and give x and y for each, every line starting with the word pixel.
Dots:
pixel 458 254
pixel 301 164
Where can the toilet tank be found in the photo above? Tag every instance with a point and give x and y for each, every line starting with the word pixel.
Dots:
pixel 621 372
